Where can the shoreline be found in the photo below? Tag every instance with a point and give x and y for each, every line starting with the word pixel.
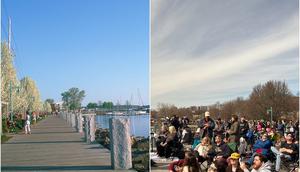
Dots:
pixel 139 146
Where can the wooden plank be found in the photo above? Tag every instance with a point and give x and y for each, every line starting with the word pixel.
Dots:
pixel 53 145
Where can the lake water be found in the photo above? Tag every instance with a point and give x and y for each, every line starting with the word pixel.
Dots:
pixel 139 123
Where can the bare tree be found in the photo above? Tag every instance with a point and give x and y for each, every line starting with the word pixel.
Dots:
pixel 273 94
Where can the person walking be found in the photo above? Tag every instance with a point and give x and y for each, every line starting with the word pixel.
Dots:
pixel 27 123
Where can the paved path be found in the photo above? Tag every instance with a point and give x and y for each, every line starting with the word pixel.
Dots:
pixel 53 146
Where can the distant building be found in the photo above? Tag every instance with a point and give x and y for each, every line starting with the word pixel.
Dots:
pixel 204 108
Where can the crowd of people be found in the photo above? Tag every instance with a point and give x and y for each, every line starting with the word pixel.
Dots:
pixel 234 145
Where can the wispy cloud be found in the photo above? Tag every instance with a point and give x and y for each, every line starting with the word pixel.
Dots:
pixel 203 52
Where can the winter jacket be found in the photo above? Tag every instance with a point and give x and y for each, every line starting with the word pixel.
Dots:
pixel 234 132
pixel 244 127
pixel 265 167
pixel 208 131
pixel 221 150
pixel 262 147
pixel 175 164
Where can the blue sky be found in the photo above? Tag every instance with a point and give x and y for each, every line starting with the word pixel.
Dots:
pixel 100 46
pixel 203 51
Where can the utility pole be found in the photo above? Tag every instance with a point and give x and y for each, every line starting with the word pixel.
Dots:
pixel 10 84
pixel 11 89
pixel 10 102
pixel 9 33
pixel 0 78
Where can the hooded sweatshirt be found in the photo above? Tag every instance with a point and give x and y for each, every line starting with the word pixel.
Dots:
pixel 265 167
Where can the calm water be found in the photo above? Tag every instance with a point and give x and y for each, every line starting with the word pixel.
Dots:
pixel 139 124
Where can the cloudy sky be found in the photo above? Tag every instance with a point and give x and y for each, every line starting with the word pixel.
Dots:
pixel 203 51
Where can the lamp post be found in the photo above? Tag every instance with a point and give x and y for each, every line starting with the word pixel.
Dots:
pixel 271 113
pixel 32 98
pixel 11 88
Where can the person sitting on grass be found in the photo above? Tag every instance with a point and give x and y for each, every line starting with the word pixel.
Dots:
pixel 288 150
pixel 242 148
pixel 220 149
pixel 165 148
pixel 203 149
pixel 162 135
pixel 188 164
pixel 250 136
pixel 261 146
pixel 197 138
pixel 220 163
pixel 260 164
pixel 234 165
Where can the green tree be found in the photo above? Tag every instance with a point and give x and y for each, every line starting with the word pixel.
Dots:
pixel 92 105
pixel 108 105
pixel 73 98
pixel 50 101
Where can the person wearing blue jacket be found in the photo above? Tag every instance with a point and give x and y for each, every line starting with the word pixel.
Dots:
pixel 250 136
pixel 261 146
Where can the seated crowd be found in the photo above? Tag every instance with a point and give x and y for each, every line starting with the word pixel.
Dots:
pixel 237 146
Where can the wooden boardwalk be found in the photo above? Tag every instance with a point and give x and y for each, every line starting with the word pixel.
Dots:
pixel 53 146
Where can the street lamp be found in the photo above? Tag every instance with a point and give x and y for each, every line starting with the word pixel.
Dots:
pixel 32 98
pixel 271 113
pixel 10 99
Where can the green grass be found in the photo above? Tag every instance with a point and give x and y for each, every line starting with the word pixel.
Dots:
pixel 5 138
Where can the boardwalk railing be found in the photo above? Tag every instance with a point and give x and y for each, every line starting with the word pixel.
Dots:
pixel 119 136
pixel 81 121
